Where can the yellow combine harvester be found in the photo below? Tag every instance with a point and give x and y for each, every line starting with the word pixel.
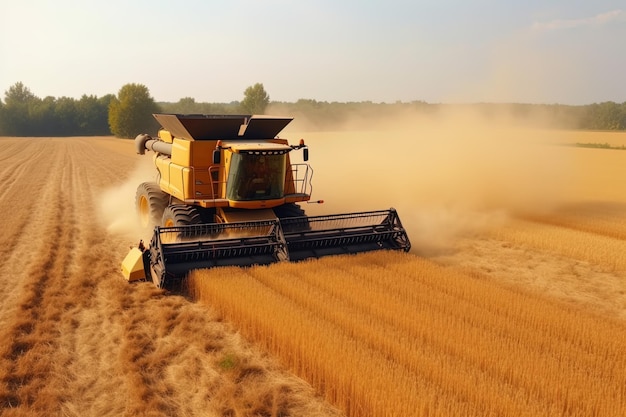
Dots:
pixel 226 194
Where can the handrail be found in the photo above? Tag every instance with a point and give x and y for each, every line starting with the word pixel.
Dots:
pixel 302 175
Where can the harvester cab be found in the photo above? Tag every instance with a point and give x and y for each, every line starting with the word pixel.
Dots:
pixel 226 193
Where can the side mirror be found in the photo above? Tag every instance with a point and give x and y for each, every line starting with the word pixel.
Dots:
pixel 305 154
pixel 216 157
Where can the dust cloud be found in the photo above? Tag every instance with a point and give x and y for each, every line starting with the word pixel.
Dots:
pixel 117 204
pixel 450 174
pixel 456 172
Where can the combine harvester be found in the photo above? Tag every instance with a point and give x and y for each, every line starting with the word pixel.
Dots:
pixel 226 193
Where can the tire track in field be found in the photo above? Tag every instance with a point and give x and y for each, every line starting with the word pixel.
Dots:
pixel 13 147
pixel 22 238
pixel 12 174
pixel 59 286
pixel 31 340
pixel 14 196
pixel 59 294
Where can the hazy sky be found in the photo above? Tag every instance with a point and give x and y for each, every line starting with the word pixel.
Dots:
pixel 548 51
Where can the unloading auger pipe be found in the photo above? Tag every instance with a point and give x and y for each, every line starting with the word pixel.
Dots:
pixel 144 141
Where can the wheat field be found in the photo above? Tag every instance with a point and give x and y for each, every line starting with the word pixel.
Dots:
pixel 512 301
pixel 393 334
pixel 521 313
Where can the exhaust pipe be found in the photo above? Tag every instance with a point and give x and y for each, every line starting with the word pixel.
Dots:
pixel 144 141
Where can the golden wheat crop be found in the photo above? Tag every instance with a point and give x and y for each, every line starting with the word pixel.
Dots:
pixel 392 334
pixel 606 219
pixel 602 250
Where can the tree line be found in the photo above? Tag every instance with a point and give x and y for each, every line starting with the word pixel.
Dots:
pixel 24 114
pixel 330 116
pixel 124 115
pixel 129 112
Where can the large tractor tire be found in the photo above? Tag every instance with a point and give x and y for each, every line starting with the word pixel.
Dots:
pixel 150 201
pixel 179 215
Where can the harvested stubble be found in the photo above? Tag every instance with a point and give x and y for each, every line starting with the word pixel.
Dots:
pixel 392 334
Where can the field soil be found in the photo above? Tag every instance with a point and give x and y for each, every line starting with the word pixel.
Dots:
pixel 77 340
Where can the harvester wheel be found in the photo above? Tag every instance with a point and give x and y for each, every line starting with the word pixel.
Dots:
pixel 179 215
pixel 150 201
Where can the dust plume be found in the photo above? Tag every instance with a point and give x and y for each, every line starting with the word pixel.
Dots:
pixel 117 204
pixel 451 173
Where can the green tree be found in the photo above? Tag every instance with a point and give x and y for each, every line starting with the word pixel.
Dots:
pixel 604 116
pixel 130 113
pixel 65 115
pixel 255 99
pixel 92 115
pixel 43 117
pixel 18 94
pixel 187 105
pixel 18 100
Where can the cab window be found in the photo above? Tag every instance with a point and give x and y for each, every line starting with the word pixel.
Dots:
pixel 256 176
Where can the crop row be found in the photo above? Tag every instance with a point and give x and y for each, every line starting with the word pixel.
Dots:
pixel 391 334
